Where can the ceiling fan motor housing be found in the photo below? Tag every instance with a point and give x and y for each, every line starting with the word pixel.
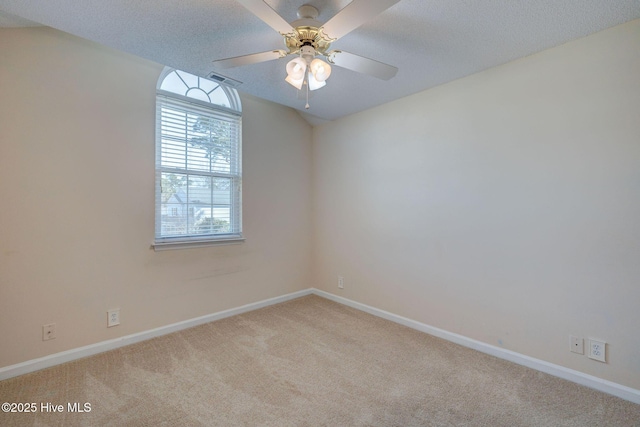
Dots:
pixel 307 36
pixel 307 31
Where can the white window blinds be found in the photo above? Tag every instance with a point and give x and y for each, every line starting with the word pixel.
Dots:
pixel 198 171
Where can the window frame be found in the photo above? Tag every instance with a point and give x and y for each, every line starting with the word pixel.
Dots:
pixel 164 242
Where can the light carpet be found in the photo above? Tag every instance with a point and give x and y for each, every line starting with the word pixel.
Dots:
pixel 306 362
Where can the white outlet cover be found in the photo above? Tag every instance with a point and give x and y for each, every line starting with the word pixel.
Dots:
pixel 49 332
pixel 597 350
pixel 576 345
pixel 113 317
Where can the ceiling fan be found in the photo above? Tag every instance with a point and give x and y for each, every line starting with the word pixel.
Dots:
pixel 309 38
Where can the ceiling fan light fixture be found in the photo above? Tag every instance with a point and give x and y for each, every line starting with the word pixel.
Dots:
pixel 297 83
pixel 320 70
pixel 296 68
pixel 315 83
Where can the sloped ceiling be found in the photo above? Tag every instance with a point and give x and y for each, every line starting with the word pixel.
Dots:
pixel 431 42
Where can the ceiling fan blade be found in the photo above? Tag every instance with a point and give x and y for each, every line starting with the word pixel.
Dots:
pixel 361 64
pixel 249 59
pixel 268 15
pixel 355 14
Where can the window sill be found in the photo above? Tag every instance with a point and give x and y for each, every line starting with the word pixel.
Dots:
pixel 190 244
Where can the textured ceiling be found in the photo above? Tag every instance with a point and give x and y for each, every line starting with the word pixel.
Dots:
pixel 431 42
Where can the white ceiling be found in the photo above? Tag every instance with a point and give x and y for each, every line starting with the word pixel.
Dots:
pixel 431 42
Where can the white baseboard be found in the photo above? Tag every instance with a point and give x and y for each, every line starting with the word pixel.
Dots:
pixel 578 377
pixel 590 381
pixel 90 350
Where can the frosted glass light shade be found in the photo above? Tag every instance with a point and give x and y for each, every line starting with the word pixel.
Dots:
pixel 315 83
pixel 320 70
pixel 297 83
pixel 296 68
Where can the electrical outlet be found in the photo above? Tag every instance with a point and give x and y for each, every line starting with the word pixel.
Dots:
pixel 597 350
pixel 48 332
pixel 340 282
pixel 577 344
pixel 113 317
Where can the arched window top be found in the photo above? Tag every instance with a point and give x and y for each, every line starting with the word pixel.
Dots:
pixel 199 88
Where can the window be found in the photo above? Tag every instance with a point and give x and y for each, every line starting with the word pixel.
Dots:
pixel 198 162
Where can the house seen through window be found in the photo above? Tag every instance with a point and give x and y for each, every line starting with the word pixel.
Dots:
pixel 198 161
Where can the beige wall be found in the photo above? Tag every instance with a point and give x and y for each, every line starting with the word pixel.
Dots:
pixel 504 207
pixel 77 208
